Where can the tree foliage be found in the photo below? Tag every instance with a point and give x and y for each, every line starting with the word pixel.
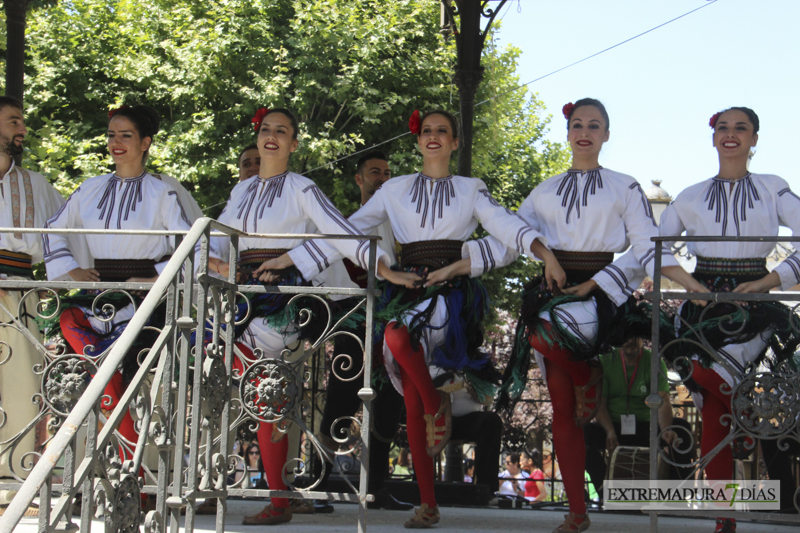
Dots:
pixel 353 71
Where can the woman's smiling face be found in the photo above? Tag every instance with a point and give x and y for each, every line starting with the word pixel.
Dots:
pixel 276 137
pixel 436 137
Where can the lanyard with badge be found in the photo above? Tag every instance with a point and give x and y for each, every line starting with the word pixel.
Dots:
pixel 628 420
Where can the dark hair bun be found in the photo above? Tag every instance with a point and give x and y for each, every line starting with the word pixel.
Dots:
pixel 145 119
pixel 152 119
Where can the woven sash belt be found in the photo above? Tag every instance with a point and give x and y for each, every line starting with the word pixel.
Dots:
pixel 594 261
pixel 252 259
pixel 124 269
pixel 431 254
pixel 751 266
pixel 15 264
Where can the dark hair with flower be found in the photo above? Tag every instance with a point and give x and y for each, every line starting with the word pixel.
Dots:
pixel 262 113
pixel 751 115
pixel 116 110
pixel 414 122
pixel 258 118
pixel 570 108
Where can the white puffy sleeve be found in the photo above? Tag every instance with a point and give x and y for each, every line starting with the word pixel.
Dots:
pixel 175 218
pixel 487 254
pixel 315 255
pixel 789 216
pixel 505 225
pixel 58 257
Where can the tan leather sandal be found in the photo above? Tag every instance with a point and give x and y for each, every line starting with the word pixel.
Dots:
pixel 586 408
pixel 269 516
pixel 571 524
pixel 439 427
pixel 423 518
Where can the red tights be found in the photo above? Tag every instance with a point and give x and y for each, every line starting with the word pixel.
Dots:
pixel 421 398
pixel 563 375
pixel 715 405
pixel 273 454
pixel 79 333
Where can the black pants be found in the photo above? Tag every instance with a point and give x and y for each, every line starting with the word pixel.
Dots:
pixel 779 467
pixel 343 400
pixel 485 429
pixel 595 437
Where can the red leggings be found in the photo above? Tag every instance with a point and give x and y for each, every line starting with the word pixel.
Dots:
pixel 715 405
pixel 421 398
pixel 79 333
pixel 273 454
pixel 563 375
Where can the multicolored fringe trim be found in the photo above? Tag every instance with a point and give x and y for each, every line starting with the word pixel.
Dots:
pixel 467 305
pixel 727 323
pixel 616 325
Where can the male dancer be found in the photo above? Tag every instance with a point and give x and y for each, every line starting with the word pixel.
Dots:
pixel 26 201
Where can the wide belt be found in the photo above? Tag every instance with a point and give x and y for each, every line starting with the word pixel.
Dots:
pixel 124 269
pixel 721 266
pixel 15 264
pixel 252 258
pixel 595 261
pixel 431 254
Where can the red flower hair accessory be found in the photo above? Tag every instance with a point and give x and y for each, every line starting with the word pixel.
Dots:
pixel 713 121
pixel 258 118
pixel 414 123
pixel 117 110
pixel 567 109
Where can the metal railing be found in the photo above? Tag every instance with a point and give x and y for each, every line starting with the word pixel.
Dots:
pixel 181 395
pixel 758 408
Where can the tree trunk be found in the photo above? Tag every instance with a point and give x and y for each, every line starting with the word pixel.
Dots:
pixel 15 47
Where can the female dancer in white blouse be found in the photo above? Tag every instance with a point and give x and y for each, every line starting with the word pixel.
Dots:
pixel 131 199
pixel 735 202
pixel 587 214
pixel 432 214
pixel 278 201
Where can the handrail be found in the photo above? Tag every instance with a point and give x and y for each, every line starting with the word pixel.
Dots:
pixel 208 294
pixel 93 393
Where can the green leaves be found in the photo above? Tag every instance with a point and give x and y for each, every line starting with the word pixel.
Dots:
pixel 352 70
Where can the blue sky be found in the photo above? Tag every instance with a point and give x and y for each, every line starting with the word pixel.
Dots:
pixel 661 89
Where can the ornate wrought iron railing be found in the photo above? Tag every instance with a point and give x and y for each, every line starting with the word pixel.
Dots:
pixel 187 397
pixel 764 403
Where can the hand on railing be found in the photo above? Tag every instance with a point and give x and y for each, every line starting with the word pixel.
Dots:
pixel 84 274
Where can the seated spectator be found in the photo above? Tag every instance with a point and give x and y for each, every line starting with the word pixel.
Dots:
pixel 531 462
pixel 469 470
pixel 623 417
pixel 515 486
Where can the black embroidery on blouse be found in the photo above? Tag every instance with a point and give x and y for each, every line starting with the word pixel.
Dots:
pixel 442 190
pixel 131 196
pixel 569 190
pixel 744 197
pixel 273 189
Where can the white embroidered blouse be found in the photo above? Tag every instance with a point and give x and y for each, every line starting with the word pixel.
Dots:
pixel 106 202
pixel 755 205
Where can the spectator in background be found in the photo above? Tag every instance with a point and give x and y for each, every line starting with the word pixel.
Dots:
pixel 531 463
pixel 249 162
pixel 469 470
pixel 515 486
pixel 623 417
